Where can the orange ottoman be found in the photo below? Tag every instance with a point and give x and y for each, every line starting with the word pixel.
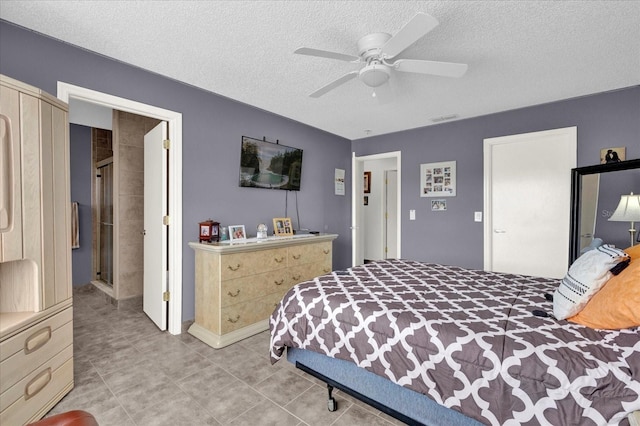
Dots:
pixel 70 418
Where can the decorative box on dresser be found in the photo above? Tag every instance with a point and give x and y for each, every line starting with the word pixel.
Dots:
pixel 238 285
pixel 36 319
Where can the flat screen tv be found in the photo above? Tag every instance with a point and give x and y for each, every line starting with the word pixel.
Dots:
pixel 270 165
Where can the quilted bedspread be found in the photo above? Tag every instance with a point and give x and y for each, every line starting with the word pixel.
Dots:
pixel 468 340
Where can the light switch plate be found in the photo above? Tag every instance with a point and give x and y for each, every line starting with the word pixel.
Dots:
pixel 477 216
pixel 412 214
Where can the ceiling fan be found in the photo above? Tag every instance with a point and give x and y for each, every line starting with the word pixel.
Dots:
pixel 376 52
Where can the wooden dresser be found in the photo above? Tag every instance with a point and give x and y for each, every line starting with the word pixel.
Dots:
pixel 238 285
pixel 36 318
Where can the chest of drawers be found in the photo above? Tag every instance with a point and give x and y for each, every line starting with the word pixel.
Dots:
pixel 239 285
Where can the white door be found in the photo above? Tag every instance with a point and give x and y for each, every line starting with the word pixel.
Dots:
pixel 527 202
pixel 357 214
pixel 155 232
pixel 391 214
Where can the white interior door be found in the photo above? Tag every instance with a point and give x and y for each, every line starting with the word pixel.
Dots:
pixel 527 202
pixel 155 232
pixel 391 214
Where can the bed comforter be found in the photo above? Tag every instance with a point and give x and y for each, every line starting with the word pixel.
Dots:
pixel 468 340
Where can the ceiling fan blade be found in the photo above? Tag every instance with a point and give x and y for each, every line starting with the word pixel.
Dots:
pixel 444 69
pixel 413 31
pixel 321 91
pixel 326 54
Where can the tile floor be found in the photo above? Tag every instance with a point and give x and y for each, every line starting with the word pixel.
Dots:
pixel 127 372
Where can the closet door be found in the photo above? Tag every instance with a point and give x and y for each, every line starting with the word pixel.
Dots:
pixel 527 202
pixel 10 169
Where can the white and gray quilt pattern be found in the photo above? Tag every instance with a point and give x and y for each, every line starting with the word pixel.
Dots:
pixel 468 340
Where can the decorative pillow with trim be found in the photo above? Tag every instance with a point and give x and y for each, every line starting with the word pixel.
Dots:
pixel 585 277
pixel 617 304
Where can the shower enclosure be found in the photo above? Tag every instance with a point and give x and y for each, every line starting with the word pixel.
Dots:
pixel 104 234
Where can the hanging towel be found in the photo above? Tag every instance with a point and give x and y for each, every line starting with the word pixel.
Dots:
pixel 75 228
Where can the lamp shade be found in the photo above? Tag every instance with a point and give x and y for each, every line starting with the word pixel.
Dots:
pixel 628 209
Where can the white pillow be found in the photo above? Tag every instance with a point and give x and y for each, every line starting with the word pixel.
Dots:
pixel 585 278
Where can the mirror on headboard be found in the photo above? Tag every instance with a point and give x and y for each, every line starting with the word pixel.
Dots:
pixel 595 194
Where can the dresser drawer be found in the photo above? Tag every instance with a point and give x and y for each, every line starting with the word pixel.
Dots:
pixel 248 313
pixel 24 352
pixel 253 286
pixel 243 264
pixel 309 253
pixel 300 273
pixel 39 391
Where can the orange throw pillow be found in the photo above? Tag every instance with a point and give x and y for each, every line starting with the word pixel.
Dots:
pixel 633 251
pixel 617 304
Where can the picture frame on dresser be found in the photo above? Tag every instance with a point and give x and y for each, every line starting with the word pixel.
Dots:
pixel 237 233
pixel 282 227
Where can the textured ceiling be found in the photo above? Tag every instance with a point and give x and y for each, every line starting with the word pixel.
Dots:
pixel 520 53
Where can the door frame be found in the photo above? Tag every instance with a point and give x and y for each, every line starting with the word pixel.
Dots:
pixel 66 92
pixel 357 185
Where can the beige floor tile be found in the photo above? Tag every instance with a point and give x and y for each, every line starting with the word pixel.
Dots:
pixel 128 373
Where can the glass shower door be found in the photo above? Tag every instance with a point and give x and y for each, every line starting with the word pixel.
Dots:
pixel 105 221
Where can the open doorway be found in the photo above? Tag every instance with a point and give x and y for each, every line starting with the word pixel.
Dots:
pixel 376 220
pixel 173 285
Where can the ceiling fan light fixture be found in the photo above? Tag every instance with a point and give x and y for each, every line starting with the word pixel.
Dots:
pixel 374 75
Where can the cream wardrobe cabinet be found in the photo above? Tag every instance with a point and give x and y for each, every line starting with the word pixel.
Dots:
pixel 36 320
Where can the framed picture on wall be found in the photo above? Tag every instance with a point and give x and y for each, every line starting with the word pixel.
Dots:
pixel 438 179
pixel 438 205
pixel 612 155
pixel 282 226
pixel 367 182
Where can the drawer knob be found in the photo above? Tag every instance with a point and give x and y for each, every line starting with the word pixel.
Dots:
pixel 326 251
pixel 279 260
pixel 234 295
pixel 234 268
pixel 36 384
pixel 37 340
pixel 326 270
pixel 297 256
pixel 296 277
pixel 279 282
pixel 233 321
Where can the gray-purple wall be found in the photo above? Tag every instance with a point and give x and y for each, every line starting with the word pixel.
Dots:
pixel 80 153
pixel 604 120
pixel 212 131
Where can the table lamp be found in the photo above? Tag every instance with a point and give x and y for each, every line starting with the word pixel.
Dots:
pixel 628 210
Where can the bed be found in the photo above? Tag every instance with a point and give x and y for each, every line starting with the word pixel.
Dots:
pixel 465 342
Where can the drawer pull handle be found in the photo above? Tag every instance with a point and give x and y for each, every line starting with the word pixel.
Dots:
pixel 233 321
pixel 279 282
pixel 278 260
pixel 37 340
pixel 234 295
pixel 234 269
pixel 326 251
pixel 327 270
pixel 296 277
pixel 297 256
pixel 36 384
